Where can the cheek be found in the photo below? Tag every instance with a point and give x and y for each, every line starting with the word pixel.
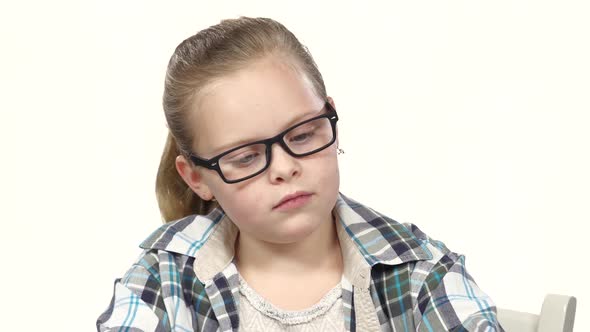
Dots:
pixel 241 201
pixel 327 165
pixel 322 173
pixel 330 179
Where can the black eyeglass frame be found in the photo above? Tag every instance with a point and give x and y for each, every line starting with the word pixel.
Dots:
pixel 213 163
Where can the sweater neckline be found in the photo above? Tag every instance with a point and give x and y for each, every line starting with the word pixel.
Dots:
pixel 290 317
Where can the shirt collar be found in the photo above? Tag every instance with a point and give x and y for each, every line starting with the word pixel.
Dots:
pixel 363 233
pixel 378 238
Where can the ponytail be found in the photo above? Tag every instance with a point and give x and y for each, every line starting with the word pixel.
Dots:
pixel 175 198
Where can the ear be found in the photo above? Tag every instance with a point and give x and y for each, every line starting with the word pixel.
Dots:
pixel 331 101
pixel 193 177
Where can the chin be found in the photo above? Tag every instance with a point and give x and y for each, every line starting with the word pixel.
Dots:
pixel 297 229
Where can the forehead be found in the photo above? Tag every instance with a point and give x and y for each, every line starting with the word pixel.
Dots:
pixel 253 103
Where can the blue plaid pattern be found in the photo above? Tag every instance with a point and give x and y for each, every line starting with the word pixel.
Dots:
pixel 414 283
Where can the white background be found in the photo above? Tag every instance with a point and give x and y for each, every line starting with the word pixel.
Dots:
pixel 469 119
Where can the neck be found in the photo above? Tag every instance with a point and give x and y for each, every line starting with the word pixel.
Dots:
pixel 318 251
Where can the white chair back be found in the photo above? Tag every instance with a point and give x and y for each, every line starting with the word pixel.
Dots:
pixel 557 315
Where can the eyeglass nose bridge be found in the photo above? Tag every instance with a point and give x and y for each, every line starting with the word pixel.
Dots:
pixel 268 151
pixel 272 141
pixel 281 140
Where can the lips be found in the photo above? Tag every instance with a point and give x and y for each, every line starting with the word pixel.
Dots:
pixel 291 197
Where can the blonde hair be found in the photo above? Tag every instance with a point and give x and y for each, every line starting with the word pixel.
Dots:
pixel 210 54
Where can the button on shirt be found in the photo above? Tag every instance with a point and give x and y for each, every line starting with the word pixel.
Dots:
pixel 395 278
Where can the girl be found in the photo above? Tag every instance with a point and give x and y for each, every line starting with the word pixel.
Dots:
pixel 258 237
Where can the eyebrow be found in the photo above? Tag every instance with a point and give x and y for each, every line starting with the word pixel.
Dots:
pixel 294 121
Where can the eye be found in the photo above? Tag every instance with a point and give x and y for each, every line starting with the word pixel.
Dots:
pixel 302 137
pixel 245 160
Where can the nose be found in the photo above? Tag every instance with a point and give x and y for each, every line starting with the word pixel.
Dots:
pixel 283 167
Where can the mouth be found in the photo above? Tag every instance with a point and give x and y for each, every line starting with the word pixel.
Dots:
pixel 294 200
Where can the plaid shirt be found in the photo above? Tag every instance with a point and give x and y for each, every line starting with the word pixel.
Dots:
pixel 396 278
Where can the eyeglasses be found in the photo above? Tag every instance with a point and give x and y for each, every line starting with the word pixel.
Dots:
pixel 300 140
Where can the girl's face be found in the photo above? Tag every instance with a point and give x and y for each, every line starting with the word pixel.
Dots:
pixel 255 103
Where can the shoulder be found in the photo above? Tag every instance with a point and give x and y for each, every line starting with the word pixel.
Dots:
pixel 442 258
pixel 380 238
pixel 169 255
pixel 184 236
pixel 170 250
pixel 376 232
pixel 159 284
pixel 434 245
